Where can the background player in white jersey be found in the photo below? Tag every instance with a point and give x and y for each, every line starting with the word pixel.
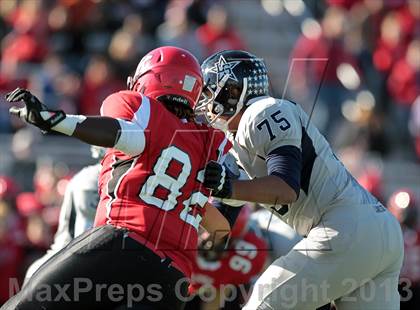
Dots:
pixel 353 250
pixel 77 211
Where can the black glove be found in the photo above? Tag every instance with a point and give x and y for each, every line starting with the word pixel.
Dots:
pixel 31 113
pixel 218 179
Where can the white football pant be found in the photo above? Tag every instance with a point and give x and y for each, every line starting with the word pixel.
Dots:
pixel 353 256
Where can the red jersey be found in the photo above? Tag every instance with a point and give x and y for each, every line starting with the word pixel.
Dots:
pixel 158 194
pixel 245 261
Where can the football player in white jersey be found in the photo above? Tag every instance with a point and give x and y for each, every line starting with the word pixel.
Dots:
pixel 77 210
pixel 352 248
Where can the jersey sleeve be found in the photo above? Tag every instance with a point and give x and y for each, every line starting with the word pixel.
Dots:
pixel 122 105
pixel 273 132
pixel 132 110
pixel 270 128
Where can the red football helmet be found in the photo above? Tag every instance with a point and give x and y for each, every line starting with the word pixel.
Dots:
pixel 168 72
pixel 241 223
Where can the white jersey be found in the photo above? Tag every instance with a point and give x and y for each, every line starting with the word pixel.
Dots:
pixel 77 212
pixel 79 206
pixel 270 123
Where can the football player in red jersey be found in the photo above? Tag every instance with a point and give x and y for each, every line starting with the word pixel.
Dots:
pixel 151 196
pixel 222 270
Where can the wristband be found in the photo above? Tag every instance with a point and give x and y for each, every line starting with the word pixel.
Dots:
pixel 68 125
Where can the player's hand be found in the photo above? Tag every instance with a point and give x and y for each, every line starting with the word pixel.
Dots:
pixel 218 179
pixel 34 112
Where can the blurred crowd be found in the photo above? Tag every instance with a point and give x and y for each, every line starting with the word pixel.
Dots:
pixel 74 53
pixel 366 55
pixel 368 63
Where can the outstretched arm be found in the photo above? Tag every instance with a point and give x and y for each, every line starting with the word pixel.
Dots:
pixel 96 130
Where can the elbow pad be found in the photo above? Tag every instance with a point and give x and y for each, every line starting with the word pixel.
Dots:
pixel 131 139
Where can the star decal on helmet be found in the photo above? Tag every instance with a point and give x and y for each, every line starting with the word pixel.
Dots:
pixel 223 68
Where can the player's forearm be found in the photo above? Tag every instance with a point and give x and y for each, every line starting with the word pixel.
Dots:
pixel 269 190
pixel 104 131
pixel 97 130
